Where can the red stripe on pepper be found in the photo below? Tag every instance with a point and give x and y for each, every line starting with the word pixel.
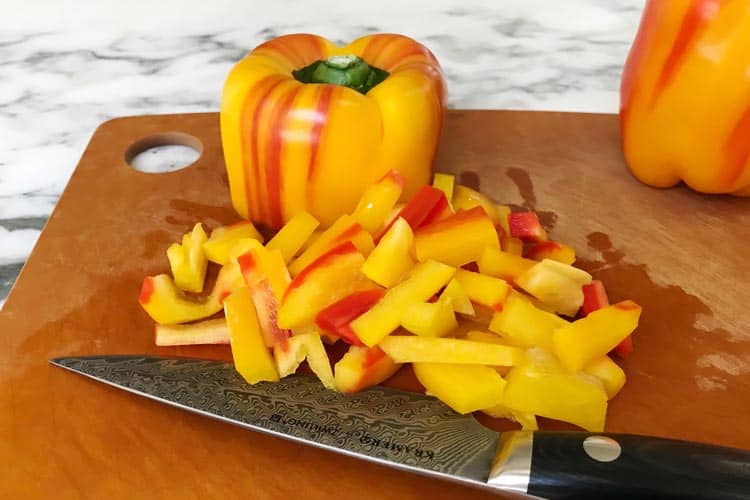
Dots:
pixel 696 18
pixel 273 157
pixel 736 150
pixel 253 146
pixel 249 144
pixel 319 120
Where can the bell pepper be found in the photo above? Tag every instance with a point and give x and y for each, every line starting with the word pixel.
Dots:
pixel 328 279
pixel 551 250
pixel 346 228
pixel 526 227
pixel 458 239
pixel 305 346
pixel 427 206
pixel 461 302
pixel 465 388
pixel 595 298
pixel 522 324
pixel 307 125
pixel 611 375
pixel 571 398
pixel 377 202
pixel 416 349
pixel 187 260
pixel 423 282
pixel 495 262
pixel 513 246
pixel 482 289
pixel 556 285
pixel 210 331
pixel 393 256
pixel 252 359
pixel 293 236
pixel 337 317
pixel 223 238
pixel 430 319
pixel 445 183
pixel 685 96
pixel 592 337
pixel 362 367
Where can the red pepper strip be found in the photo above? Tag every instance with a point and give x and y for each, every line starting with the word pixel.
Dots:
pixel 337 317
pixel 428 205
pixel 526 227
pixel 595 297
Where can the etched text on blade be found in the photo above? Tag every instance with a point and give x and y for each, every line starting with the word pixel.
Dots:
pixel 405 428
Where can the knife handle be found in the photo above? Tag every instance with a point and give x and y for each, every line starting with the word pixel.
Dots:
pixel 579 465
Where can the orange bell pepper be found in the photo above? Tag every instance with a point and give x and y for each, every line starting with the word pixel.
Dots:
pixel 685 96
pixel 307 125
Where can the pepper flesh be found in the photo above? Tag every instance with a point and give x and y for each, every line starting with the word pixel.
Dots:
pixel 688 68
pixel 291 146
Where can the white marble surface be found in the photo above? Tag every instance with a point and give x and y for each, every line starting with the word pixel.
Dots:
pixel 67 66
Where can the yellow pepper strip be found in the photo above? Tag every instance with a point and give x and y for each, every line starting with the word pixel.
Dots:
pixel 423 282
pixel 527 420
pixel 252 359
pixel 459 300
pixel 292 237
pixel 495 262
pixel 362 367
pixel 258 263
pixel 210 331
pixel 552 250
pixel 300 133
pixel 393 257
pixel 482 289
pixel 410 349
pixel 611 375
pixel 377 202
pixel 223 238
pixel 430 319
pixel 592 337
pixel 328 279
pixel 465 198
pixel 465 388
pixel 522 324
pixel 167 304
pixel 187 260
pixel 456 240
pixel 513 246
pixel 685 96
pixel 444 182
pixel 557 285
pixel 568 397
pixel 305 346
pixel 501 217
pixel 346 228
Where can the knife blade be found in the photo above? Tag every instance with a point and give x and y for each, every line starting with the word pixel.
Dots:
pixel 418 433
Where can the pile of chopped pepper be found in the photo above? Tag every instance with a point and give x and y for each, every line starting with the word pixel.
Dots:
pixel 490 313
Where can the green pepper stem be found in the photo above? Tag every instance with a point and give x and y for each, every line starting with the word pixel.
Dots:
pixel 345 70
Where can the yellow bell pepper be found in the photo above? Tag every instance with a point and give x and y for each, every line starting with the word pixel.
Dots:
pixel 377 202
pixel 223 238
pixel 685 96
pixel 393 256
pixel 571 398
pixel 293 236
pixel 423 282
pixel 609 372
pixel 187 260
pixel 522 324
pixel 252 359
pixel 482 289
pixel 459 300
pixel 444 182
pixel 495 262
pixel 362 367
pixel 307 125
pixel 412 349
pixel 592 337
pixel 465 388
pixel 306 346
pixel 430 319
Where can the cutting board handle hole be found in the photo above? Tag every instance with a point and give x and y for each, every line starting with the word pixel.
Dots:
pixel 167 152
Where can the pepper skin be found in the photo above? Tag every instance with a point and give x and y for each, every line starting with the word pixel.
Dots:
pixel 291 146
pixel 685 96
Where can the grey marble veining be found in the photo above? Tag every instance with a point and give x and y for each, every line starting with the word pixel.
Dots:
pixel 65 68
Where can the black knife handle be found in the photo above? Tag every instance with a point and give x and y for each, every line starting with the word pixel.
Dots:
pixel 579 465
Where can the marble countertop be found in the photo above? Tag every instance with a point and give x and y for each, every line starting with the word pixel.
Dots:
pixel 65 70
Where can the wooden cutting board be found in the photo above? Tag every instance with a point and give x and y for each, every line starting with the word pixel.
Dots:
pixel 679 254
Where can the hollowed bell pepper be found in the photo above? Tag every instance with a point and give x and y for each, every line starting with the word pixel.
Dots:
pixel 685 96
pixel 307 125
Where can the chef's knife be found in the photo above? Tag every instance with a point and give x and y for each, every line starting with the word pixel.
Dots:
pixel 418 433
